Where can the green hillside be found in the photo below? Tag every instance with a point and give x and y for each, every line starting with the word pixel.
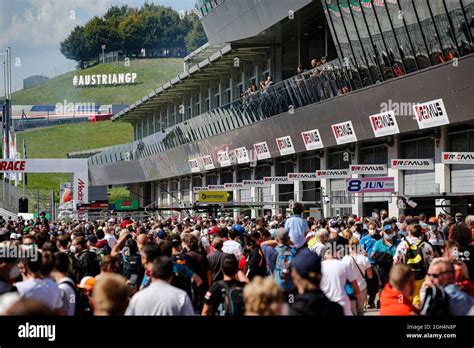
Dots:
pixel 57 141
pixel 151 73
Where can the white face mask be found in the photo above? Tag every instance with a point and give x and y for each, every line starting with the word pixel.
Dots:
pixel 371 231
pixel 73 249
pixel 14 272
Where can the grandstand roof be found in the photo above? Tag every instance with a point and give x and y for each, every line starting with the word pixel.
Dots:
pixel 211 67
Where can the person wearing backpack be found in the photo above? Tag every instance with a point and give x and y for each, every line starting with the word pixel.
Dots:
pixel 285 253
pixel 225 297
pixel 87 260
pixel 65 284
pixel 417 254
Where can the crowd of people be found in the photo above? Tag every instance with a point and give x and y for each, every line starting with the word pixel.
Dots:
pixel 227 266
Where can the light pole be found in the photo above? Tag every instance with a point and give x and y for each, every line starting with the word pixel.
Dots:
pixel 103 54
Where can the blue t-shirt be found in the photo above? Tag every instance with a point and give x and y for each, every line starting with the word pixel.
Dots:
pixel 380 246
pixel 367 242
pixel 271 256
pixel 297 228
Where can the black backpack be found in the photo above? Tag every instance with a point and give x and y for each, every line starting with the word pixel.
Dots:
pixel 232 303
pixel 132 268
pixel 436 302
pixel 414 258
pixel 82 304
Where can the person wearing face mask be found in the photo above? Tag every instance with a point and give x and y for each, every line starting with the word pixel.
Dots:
pixel 416 253
pixel 434 235
pixel 382 253
pixel 87 260
pixel 9 271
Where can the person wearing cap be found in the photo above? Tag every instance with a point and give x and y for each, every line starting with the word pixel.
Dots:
pixel 311 300
pixel 414 241
pixel 297 226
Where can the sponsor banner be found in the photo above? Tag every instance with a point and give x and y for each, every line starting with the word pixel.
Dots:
pixel 431 114
pixel 223 158
pixel 208 162
pixel 79 168
pixel 254 183
pixel 199 189
pixel 412 164
pixel 234 186
pixel 104 79
pixel 215 187
pixel 242 155
pixel 262 150
pixel 194 165
pixel 312 139
pixel 285 145
pixel 458 157
pixel 344 132
pixel 213 196
pixel 368 169
pixel 384 124
pixel 276 180
pixel 368 185
pixel 303 177
pixel 332 173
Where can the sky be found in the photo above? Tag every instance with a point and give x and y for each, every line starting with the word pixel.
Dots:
pixel 34 28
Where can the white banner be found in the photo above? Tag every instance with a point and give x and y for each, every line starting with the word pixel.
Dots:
pixel 412 164
pixel 199 189
pixel 312 139
pixel 384 124
pixel 223 158
pixel 431 114
pixel 242 155
pixel 216 188
pixel 458 157
pixel 303 177
pixel 344 132
pixel 194 165
pixel 285 145
pixel 254 183
pixel 332 173
pixel 368 169
pixel 262 151
pixel 276 180
pixel 208 162
pixel 233 186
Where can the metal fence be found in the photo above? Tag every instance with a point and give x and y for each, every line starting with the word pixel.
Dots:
pixel 24 124
pixel 38 200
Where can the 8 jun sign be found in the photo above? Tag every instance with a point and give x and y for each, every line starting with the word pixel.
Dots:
pixel 369 185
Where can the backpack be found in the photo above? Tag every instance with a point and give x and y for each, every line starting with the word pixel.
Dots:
pixel 436 302
pixel 82 305
pixel 233 300
pixel 282 267
pixel 414 258
pixel 132 268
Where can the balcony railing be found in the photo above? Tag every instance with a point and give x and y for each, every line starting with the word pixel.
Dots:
pixel 313 86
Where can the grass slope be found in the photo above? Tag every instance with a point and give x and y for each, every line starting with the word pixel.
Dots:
pixel 57 141
pixel 151 72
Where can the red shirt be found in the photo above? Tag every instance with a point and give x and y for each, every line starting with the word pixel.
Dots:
pixel 393 302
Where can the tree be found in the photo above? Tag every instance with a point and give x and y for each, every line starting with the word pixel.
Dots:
pixel 97 34
pixel 196 37
pixel 75 46
pixel 131 35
